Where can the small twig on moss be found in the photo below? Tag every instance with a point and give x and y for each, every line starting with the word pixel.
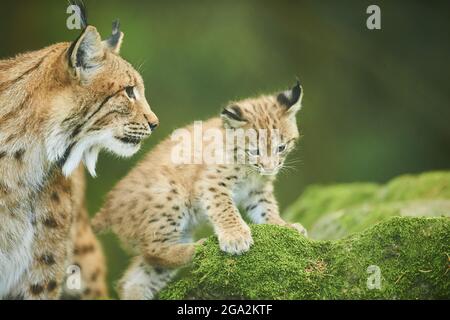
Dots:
pixel 448 266
pixel 401 276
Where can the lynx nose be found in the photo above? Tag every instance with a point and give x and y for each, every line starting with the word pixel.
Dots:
pixel 153 125
pixel 152 121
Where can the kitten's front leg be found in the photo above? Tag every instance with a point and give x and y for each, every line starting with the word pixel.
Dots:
pixel 233 233
pixel 262 207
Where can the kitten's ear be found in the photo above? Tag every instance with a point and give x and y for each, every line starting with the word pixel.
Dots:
pixel 86 53
pixel 232 116
pixel 292 99
pixel 114 42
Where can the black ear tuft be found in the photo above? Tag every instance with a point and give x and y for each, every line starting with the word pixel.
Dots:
pixel 114 39
pixel 291 97
pixel 114 42
pixel 296 92
pixel 115 26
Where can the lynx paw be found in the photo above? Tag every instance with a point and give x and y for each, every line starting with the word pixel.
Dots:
pixel 236 241
pixel 300 228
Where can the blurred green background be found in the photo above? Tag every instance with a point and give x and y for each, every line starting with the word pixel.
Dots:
pixel 376 102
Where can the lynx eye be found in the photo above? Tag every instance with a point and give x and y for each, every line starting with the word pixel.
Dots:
pixel 253 152
pixel 130 92
pixel 281 148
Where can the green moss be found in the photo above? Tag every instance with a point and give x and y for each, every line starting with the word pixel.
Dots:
pixel 412 254
pixel 338 224
pixel 332 212
pixel 317 200
pixel 432 185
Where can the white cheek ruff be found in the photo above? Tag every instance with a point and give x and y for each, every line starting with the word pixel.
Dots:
pixel 120 148
pixel 87 149
pixel 90 159
pixel 88 144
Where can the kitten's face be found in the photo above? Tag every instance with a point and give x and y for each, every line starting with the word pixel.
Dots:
pixel 270 126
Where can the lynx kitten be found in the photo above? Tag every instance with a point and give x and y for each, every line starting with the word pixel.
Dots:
pixel 155 206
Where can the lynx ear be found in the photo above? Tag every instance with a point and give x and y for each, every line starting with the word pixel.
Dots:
pixel 232 117
pixel 292 99
pixel 114 42
pixel 86 53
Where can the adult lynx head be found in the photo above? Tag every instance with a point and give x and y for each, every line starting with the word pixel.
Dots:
pixel 63 104
pixel 270 128
pixel 101 103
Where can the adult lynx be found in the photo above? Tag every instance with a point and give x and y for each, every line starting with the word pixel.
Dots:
pixel 60 106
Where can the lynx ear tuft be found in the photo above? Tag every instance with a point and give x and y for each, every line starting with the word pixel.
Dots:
pixel 232 116
pixel 114 42
pixel 292 99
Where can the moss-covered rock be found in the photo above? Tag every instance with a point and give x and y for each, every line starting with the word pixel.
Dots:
pixel 338 224
pixel 412 255
pixel 332 212
pixel 319 200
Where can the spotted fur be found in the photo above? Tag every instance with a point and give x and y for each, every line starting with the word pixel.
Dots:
pixel 59 106
pixel 154 208
pixel 86 251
